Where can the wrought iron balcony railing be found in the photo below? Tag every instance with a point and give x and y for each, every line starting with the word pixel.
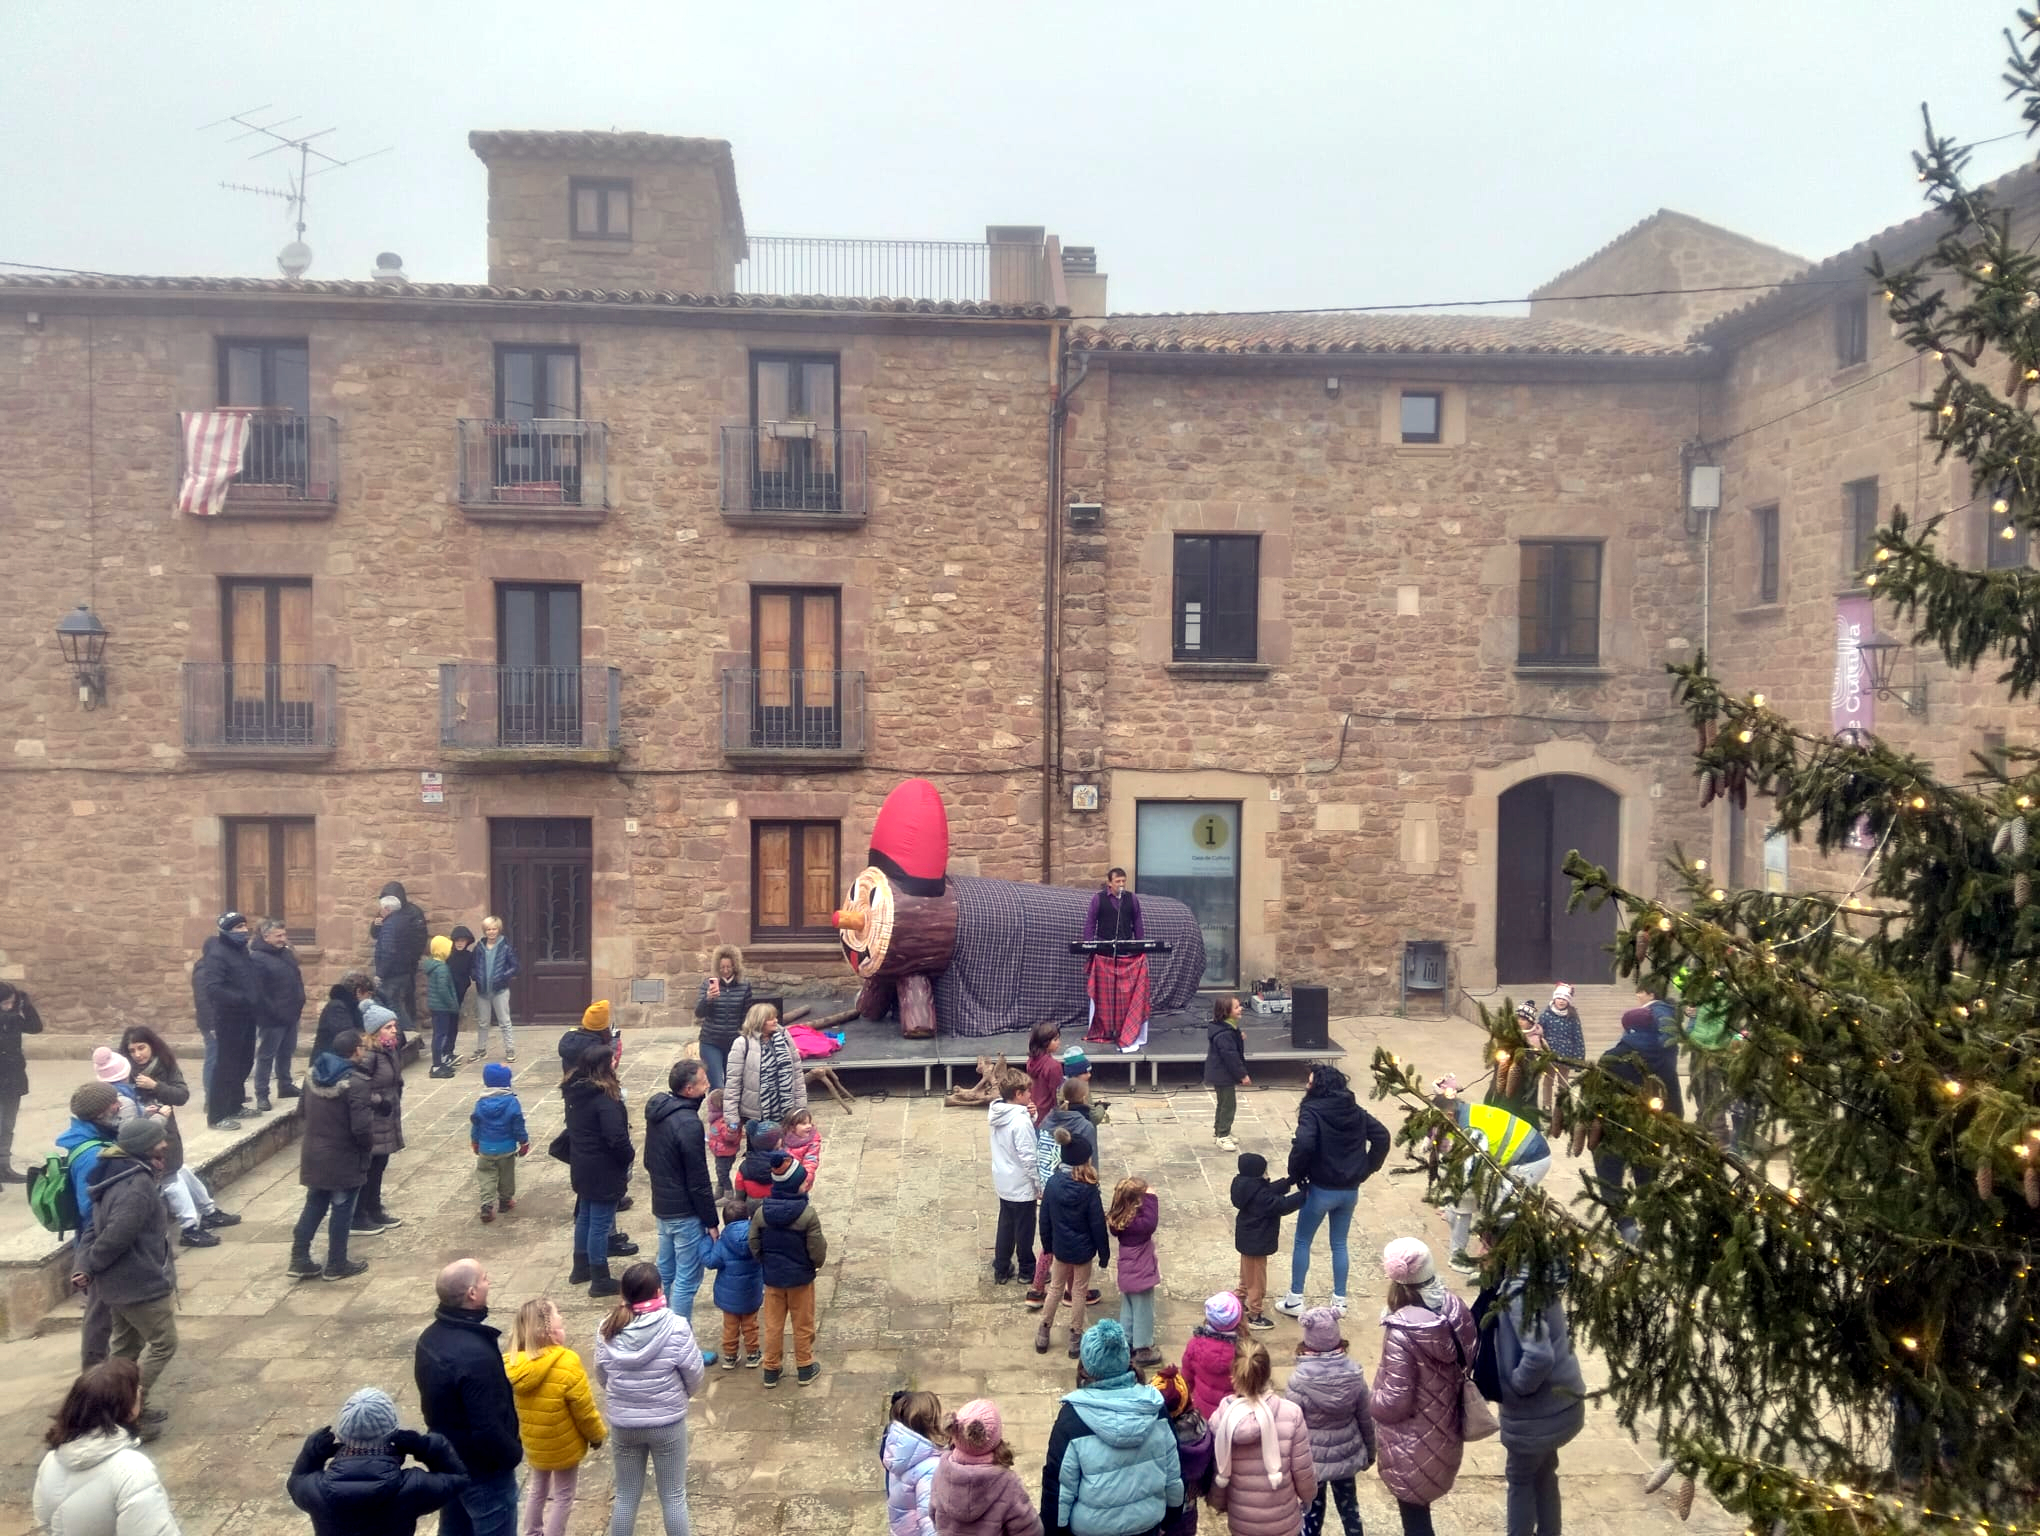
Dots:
pixel 554 462
pixel 782 710
pixel 275 707
pixel 793 466
pixel 485 707
pixel 286 457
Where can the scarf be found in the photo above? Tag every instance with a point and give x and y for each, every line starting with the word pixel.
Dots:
pixel 652 1304
pixel 777 1066
pixel 1232 1413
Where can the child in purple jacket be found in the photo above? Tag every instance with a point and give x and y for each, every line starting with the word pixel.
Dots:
pixel 1195 1452
pixel 1136 1212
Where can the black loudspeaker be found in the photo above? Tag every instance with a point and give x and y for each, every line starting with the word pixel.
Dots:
pixel 1310 1014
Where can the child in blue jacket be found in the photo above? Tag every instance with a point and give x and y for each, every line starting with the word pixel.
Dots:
pixel 496 1132
pixel 739 1283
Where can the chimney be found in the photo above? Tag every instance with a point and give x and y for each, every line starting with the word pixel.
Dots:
pixel 389 268
pixel 1084 282
pixel 616 211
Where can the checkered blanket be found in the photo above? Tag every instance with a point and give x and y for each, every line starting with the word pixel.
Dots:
pixel 1013 966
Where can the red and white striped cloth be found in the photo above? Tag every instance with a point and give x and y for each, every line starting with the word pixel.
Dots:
pixel 214 444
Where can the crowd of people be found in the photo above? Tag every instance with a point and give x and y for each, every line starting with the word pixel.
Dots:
pixel 731 1155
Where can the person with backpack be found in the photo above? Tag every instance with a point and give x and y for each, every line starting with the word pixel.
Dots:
pixel 60 1197
pixel 17 1018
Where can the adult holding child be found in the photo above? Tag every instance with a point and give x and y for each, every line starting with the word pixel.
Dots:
pixel 764 1070
pixel 159 1087
pixel 722 1006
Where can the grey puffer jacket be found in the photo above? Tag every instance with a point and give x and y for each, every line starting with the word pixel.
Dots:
pixel 385 1074
pixel 1415 1402
pixel 1331 1389
pixel 1543 1390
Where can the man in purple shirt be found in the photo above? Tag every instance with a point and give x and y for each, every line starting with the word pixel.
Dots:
pixel 1118 984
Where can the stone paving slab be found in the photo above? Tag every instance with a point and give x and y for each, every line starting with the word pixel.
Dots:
pixel 906 1300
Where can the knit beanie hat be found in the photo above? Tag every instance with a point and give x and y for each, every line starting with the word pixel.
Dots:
pixel 1075 1062
pixel 374 1016
pixel 977 1430
pixel 597 1016
pixel 1222 1311
pixel 496 1075
pixel 1320 1330
pixel 787 1172
pixel 441 946
pixel 229 921
pixel 1104 1352
pixel 94 1101
pixel 366 1420
pixel 1076 1150
pixel 1174 1389
pixel 765 1136
pixel 142 1135
pixel 1562 993
pixel 1527 1012
pixel 1407 1261
pixel 111 1066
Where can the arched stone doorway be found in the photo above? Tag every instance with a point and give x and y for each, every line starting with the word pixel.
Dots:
pixel 1537 823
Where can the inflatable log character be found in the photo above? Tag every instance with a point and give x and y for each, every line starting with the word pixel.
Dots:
pixel 981 957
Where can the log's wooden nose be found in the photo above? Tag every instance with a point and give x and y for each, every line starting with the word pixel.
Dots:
pixel 853 918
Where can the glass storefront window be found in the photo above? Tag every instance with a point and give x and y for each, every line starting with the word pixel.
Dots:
pixel 1190 850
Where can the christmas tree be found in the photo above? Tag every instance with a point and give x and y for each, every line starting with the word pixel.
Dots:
pixel 1828 1317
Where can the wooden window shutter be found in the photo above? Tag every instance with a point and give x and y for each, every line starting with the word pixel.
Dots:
pixel 251 893
pixel 818 647
pixel 249 626
pixel 299 881
pixel 775 650
pixel 818 876
pixel 775 877
pixel 294 645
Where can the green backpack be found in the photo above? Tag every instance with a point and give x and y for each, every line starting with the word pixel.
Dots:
pixel 52 1194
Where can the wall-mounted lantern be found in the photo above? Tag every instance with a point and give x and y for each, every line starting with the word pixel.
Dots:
pixel 1880 658
pixel 83 640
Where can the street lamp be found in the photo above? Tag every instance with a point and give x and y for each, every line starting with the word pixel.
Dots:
pixel 1880 658
pixel 83 640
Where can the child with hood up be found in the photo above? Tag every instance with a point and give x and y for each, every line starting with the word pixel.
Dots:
pixel 1193 1447
pixel 444 1005
pixel 1331 1389
pixel 909 1453
pixel 1262 1202
pixel 977 1492
pixel 1209 1354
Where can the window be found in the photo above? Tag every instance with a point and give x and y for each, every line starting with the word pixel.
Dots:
pixel 2004 543
pixel 1559 604
pixel 1218 579
pixel 275 379
pixel 797 463
pixel 1859 523
pixel 538 383
pixel 1766 522
pixel 266 638
pixel 796 687
pixel 536 387
pixel 1423 414
pixel 599 210
pixel 1852 332
pixel 270 872
pixel 793 879
pixel 538 657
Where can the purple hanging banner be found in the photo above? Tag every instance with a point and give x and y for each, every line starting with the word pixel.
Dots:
pixel 1853 707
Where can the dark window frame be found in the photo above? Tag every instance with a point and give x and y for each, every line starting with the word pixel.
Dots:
pixel 272 612
pixel 796 876
pixel 1768 535
pixel 1861 519
pixel 1852 332
pixel 835 362
pixel 268 346
pixel 541 633
pixel 1550 585
pixel 1437 399
pixel 232 830
pixel 1999 552
pixel 602 185
pixel 1207 648
pixel 538 350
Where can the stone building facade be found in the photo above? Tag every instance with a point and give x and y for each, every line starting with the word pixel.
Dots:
pixel 1343 628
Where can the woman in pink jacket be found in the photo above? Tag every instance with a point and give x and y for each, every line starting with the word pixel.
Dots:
pixel 1416 1392
pixel 1264 1476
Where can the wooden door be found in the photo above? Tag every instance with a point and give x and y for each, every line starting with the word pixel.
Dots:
pixel 1539 822
pixel 541 875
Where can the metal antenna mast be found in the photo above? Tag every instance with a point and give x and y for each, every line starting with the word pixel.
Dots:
pixel 296 257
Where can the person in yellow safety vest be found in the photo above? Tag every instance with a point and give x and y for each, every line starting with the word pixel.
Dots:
pixel 1514 1144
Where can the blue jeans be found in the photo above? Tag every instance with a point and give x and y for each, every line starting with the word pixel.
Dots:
pixel 715 1059
pixel 680 1262
pixel 1318 1204
pixel 318 1202
pixel 212 1051
pixel 485 1506
pixel 592 1225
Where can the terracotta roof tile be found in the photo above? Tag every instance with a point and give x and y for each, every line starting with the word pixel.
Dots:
pixel 483 292
pixel 1338 333
pixel 542 144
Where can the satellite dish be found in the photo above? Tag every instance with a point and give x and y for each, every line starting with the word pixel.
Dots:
pixel 294 259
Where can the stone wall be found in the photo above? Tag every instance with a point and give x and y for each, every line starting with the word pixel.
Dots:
pixel 680 227
pixel 1653 261
pixel 114 833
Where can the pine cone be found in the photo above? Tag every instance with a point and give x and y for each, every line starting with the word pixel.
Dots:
pixel 1512 1082
pixel 1682 1501
pixel 1579 1140
pixel 1557 1118
pixel 1986 1180
pixel 2033 1187
pixel 1642 945
pixel 2022 888
pixel 2001 841
pixel 2019 834
pixel 1594 1137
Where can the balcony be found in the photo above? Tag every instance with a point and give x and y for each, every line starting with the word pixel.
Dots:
pixel 553 470
pixel 775 717
pixel 290 467
pixel 529 716
pixel 1010 271
pixel 274 713
pixel 793 474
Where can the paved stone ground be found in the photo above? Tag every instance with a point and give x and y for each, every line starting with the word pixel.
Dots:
pixel 906 1299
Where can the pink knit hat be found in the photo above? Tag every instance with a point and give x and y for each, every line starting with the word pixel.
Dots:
pixel 978 1430
pixel 1222 1311
pixel 111 1066
pixel 1407 1261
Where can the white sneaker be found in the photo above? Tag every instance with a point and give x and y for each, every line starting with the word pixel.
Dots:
pixel 1290 1305
pixel 1225 1144
pixel 1338 1304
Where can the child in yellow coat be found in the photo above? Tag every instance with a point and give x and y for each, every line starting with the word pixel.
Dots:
pixel 556 1415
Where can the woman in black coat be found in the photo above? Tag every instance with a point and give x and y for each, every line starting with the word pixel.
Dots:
pixel 600 1153
pixel 342 1010
pixel 159 1085
pixel 17 1018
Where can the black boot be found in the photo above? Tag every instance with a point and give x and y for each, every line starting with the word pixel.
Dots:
pixel 302 1265
pixel 620 1245
pixel 578 1275
pixel 600 1282
pixel 286 1090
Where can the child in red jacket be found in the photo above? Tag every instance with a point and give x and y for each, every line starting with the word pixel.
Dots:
pixel 1208 1357
pixel 803 1138
pixel 1044 1068
pixel 725 1141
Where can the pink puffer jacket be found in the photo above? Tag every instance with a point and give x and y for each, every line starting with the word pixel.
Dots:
pixel 1250 1504
pixel 1416 1399
pixel 1207 1366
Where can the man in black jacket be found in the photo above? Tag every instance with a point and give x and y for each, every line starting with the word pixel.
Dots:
pixel 350 1476
pixel 398 934
pixel 683 1195
pixel 228 992
pixel 466 1397
pixel 282 1005
pixel 1337 1148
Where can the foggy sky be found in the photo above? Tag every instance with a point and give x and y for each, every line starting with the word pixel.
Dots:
pixel 1219 156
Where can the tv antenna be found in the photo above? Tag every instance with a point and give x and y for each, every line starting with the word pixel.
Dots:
pixel 296 257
